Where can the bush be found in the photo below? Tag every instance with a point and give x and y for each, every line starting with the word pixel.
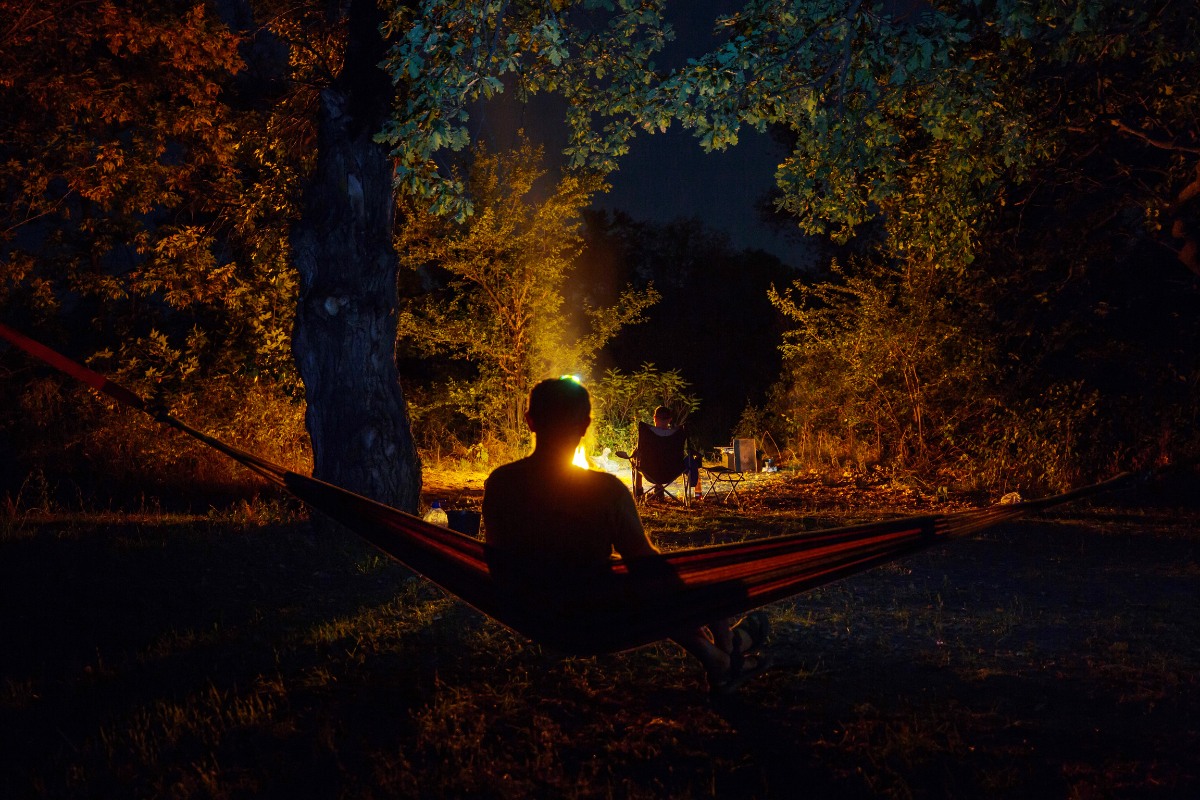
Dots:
pixel 620 401
pixel 882 366
pixel 88 452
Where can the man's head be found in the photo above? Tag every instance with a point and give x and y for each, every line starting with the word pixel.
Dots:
pixel 559 405
pixel 663 417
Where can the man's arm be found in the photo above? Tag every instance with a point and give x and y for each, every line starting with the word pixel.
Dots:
pixel 629 536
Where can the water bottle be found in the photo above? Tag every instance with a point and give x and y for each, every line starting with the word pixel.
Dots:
pixel 437 515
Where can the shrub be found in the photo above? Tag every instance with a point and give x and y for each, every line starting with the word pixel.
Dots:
pixel 621 400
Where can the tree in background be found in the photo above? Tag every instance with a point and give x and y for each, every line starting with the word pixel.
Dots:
pixel 145 208
pixel 620 400
pixel 499 279
pixel 1089 258
pixel 1021 162
pixel 879 370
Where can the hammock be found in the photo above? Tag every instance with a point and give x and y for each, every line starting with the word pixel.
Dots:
pixel 636 606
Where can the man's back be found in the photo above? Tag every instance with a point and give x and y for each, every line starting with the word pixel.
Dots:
pixel 549 517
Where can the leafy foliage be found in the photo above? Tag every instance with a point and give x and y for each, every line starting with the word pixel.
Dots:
pixel 621 400
pixel 893 118
pixel 146 205
pixel 1034 161
pixel 884 363
pixel 497 280
pixel 141 198
pixel 928 374
pixel 596 54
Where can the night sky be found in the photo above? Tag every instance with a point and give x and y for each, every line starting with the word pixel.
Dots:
pixel 667 176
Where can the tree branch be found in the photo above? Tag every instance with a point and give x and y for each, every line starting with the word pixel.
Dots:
pixel 1157 143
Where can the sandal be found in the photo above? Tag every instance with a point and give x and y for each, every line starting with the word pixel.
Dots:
pixel 757 628
pixel 742 670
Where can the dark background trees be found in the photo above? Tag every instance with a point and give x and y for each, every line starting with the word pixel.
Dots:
pixel 714 323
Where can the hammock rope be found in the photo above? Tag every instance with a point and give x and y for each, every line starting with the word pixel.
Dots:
pixel 640 604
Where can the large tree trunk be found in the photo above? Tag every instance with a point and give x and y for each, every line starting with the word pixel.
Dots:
pixel 345 330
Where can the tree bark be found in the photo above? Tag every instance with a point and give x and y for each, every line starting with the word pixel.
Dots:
pixel 342 248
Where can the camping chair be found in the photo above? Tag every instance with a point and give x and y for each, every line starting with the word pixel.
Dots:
pixel 740 458
pixel 660 459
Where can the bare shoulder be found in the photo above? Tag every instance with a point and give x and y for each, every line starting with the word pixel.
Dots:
pixel 513 471
pixel 603 481
pixel 573 482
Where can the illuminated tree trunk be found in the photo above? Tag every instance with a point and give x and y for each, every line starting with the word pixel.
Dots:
pixel 345 330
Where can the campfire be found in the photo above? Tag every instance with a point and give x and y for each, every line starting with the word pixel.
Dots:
pixel 581 460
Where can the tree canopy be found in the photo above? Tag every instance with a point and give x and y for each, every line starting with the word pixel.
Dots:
pixel 138 199
pixel 921 115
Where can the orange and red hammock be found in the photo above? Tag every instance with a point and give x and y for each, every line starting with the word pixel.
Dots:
pixel 688 588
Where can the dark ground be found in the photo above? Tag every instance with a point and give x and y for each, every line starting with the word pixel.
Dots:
pixel 154 657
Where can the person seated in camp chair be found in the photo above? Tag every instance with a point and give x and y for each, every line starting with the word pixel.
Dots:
pixel 551 530
pixel 664 425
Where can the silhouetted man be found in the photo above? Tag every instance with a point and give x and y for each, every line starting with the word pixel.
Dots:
pixel 552 527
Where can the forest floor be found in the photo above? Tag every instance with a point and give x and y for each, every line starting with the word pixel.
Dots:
pixel 240 654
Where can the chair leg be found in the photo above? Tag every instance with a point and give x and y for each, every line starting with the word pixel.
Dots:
pixel 733 490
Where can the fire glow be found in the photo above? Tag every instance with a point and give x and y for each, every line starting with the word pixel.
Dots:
pixel 580 460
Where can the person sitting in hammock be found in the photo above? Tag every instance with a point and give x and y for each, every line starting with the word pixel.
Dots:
pixel 551 529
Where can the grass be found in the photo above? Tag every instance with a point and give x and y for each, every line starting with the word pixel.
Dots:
pixel 238 654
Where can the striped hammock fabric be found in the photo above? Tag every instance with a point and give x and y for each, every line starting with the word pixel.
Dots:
pixel 636 604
